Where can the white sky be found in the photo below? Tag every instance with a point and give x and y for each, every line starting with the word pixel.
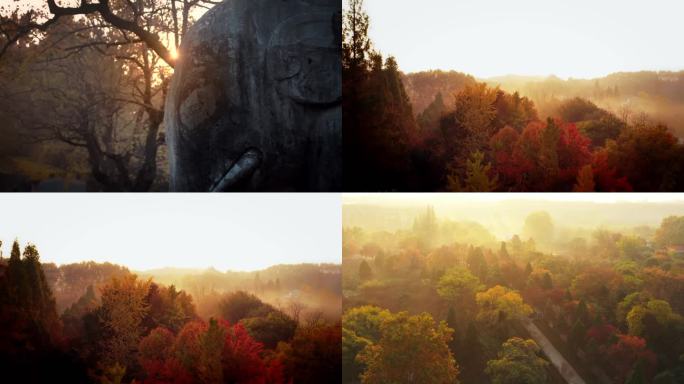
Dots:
pixel 145 231
pixel 579 38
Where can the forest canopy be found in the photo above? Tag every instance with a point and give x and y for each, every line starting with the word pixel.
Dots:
pixel 448 131
pixel 551 300
pixel 92 322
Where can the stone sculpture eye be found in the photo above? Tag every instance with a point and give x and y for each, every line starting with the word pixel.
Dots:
pixel 293 66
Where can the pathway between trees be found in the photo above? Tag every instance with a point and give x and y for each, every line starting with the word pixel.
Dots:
pixel 558 361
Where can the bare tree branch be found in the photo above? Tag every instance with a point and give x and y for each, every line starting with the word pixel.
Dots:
pixel 102 8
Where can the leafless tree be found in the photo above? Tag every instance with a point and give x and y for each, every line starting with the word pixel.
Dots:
pixel 315 319
pixel 119 129
pixel 295 308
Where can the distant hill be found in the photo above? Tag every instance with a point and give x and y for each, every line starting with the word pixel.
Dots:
pixel 660 95
pixel 284 276
pixel 70 281
pixel 504 218
pixel 317 286
pixel 422 87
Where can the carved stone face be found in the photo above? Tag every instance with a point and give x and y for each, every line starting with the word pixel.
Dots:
pixel 255 102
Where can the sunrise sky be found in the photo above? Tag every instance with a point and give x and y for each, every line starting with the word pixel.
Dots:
pixel 503 214
pixel 580 38
pixel 145 231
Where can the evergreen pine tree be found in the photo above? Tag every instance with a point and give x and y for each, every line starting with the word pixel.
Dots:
pixel 582 312
pixel 503 252
pixel 16 276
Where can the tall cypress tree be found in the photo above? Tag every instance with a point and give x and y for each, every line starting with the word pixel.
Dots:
pixel 42 300
pixel 582 313
pixel 16 276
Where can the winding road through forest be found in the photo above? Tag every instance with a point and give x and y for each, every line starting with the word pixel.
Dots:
pixel 565 369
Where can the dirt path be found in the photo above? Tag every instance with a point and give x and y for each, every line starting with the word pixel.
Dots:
pixel 558 361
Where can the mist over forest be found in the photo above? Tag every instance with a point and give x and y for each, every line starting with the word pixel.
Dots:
pixel 315 287
pixel 446 130
pixel 658 96
pixel 102 322
pixel 544 292
pixel 506 217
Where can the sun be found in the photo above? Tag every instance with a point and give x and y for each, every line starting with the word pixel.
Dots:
pixel 174 53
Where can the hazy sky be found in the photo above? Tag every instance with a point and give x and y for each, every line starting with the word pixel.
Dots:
pixel 144 231
pixel 504 213
pixel 606 198
pixel 579 38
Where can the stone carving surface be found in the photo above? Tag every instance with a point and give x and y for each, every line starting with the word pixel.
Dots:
pixel 255 101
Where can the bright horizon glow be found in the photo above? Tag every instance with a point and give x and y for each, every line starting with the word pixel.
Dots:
pixel 240 232
pixel 601 198
pixel 503 214
pixel 579 39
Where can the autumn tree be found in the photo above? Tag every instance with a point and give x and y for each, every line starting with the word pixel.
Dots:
pixel 578 109
pixel 470 124
pixel 314 354
pixel 629 351
pixel 411 349
pixel 500 304
pixel 458 285
pixel 239 305
pixel 360 328
pixel 543 157
pixel 599 131
pixel 649 156
pixel 539 226
pixel 168 307
pixel 518 362
pixel 585 180
pixel 270 329
pixel 210 352
pixel 122 314
pixel 156 356
pixel 670 232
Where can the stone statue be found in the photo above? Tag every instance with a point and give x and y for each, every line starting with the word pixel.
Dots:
pixel 255 100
